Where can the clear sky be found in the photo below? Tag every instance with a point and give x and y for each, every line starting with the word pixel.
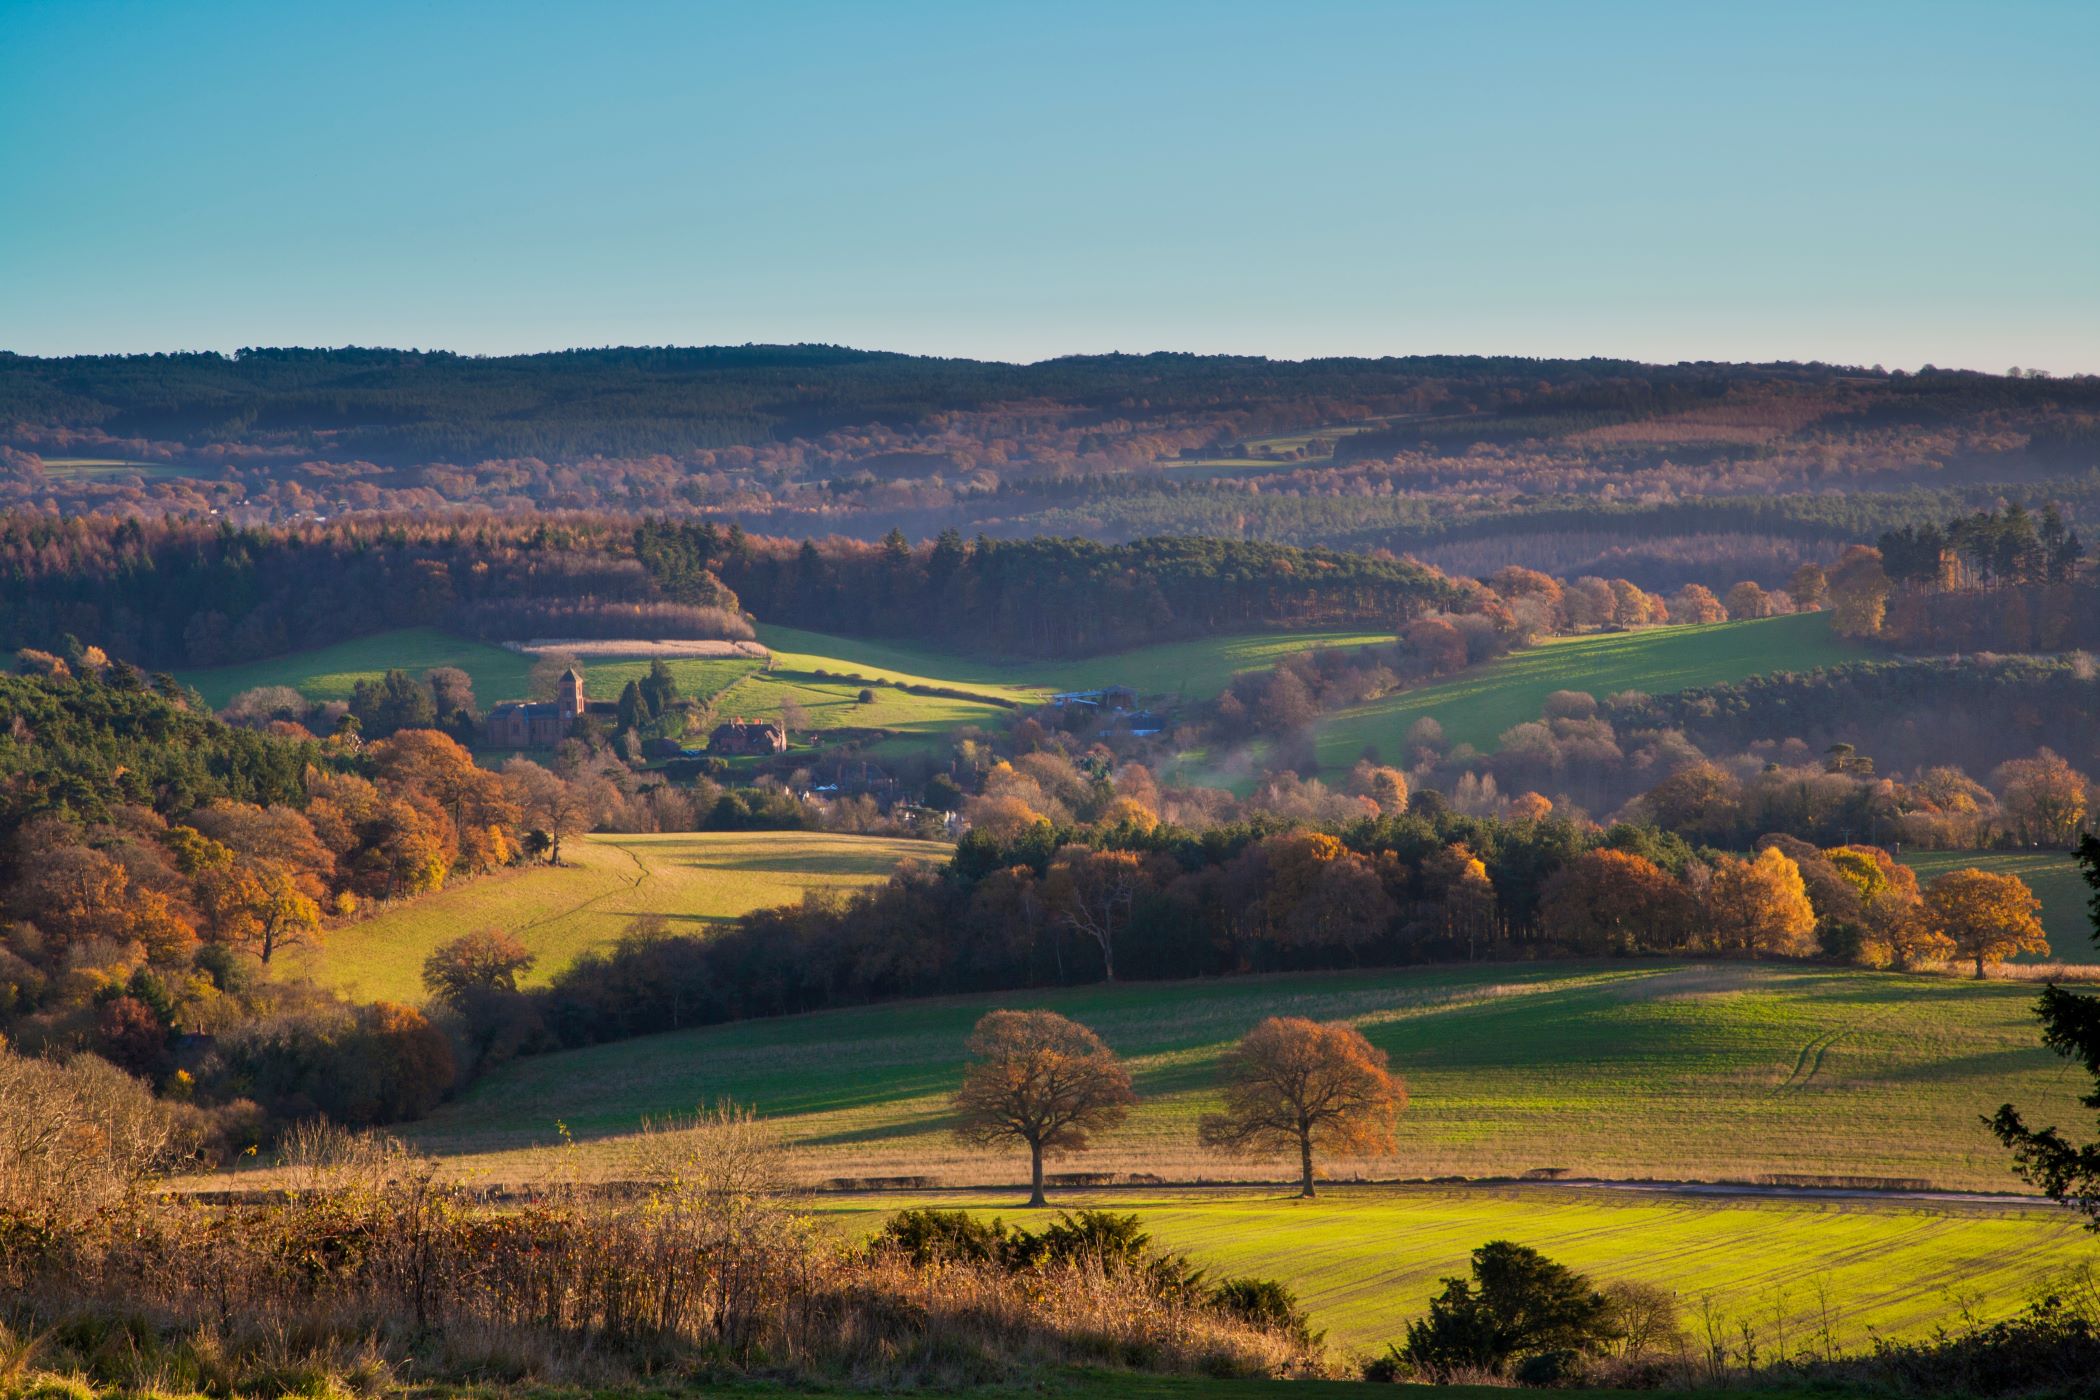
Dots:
pixel 1894 183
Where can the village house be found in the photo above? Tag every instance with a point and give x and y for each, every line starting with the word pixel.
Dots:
pixel 741 736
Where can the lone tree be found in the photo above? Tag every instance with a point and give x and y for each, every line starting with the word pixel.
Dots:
pixel 1986 916
pixel 1038 1078
pixel 2066 1171
pixel 1296 1083
pixel 474 965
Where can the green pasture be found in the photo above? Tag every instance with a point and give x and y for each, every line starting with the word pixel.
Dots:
pixel 1477 706
pixel 1365 1260
pixel 2054 878
pixel 113 468
pixel 692 880
pixel 1194 670
pixel 331 672
pixel 823 674
pixel 1696 1071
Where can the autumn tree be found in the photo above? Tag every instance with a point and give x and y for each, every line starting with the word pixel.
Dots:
pixel 1748 600
pixel 1859 593
pixel 484 963
pixel 1607 901
pixel 1988 917
pixel 1808 586
pixel 1760 906
pixel 1695 602
pixel 1459 880
pixel 550 804
pixel 1035 1077
pixel 2045 798
pixel 1292 1083
pixel 1093 893
pixel 1891 905
pixel 1384 785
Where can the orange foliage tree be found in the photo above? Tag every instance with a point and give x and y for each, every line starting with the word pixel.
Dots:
pixel 1037 1078
pixel 1294 1083
pixel 1986 916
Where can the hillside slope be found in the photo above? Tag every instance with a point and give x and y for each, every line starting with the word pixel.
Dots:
pixel 691 880
pixel 1477 706
pixel 1701 1071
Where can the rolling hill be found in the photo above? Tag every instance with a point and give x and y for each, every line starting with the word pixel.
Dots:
pixel 691 880
pixel 1478 705
pixel 1653 1069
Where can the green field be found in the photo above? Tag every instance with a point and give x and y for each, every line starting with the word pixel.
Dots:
pixel 329 673
pixel 692 880
pixel 1364 1260
pixel 821 673
pixel 1193 670
pixel 2052 875
pixel 1620 1070
pixel 1477 706
pixel 114 469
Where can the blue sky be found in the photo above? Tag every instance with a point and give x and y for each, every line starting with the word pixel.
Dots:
pixel 1893 183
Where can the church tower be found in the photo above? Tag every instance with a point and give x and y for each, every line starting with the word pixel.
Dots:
pixel 569 694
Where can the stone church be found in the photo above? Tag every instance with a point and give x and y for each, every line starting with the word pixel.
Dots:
pixel 541 724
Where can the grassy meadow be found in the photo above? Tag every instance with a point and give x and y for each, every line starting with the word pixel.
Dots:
pixel 1365 1260
pixel 820 673
pixel 2054 878
pixel 1621 1070
pixel 1477 706
pixel 690 879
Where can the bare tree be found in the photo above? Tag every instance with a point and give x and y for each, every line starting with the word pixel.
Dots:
pixel 1296 1083
pixel 1093 894
pixel 1038 1078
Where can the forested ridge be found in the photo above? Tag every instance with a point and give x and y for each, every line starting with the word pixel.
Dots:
pixel 1576 466
pixel 189 593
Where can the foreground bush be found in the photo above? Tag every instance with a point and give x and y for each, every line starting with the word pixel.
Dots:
pixel 372 1273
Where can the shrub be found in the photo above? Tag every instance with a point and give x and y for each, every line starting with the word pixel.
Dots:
pixel 1266 1303
pixel 950 1236
pixel 1518 1305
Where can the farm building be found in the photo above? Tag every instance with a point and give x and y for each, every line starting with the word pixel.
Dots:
pixel 1109 697
pixel 740 736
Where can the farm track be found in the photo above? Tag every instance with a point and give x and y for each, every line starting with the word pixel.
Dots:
pixel 499 1192
pixel 641 877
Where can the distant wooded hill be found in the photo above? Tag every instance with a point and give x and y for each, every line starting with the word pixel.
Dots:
pixel 1658 473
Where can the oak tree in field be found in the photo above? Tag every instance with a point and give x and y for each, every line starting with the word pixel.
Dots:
pixel 2065 1170
pixel 1035 1077
pixel 1297 1084
pixel 1987 916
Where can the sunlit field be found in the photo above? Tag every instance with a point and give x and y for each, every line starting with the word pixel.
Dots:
pixel 691 880
pixel 1478 705
pixel 1735 1072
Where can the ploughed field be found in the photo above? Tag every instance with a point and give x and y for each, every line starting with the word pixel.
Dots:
pixel 692 880
pixel 1695 1071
